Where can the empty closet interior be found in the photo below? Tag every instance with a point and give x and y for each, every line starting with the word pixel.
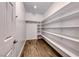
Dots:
pixel 57 23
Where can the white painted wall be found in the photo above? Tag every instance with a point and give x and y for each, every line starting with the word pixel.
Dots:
pixel 20 27
pixel 31 27
pixel 23 28
pixel 31 30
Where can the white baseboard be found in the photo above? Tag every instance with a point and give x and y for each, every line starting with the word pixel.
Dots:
pixel 23 46
pixel 32 39
pixel 21 49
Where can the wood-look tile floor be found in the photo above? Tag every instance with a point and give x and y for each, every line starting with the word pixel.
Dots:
pixel 38 48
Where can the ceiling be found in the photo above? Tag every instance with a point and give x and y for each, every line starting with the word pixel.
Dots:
pixel 42 7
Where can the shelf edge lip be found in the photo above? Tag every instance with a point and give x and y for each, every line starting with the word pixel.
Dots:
pixel 62 36
pixel 55 12
pixel 59 27
pixel 63 16
pixel 63 49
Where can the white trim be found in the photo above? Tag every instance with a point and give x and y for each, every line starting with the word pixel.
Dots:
pixel 57 18
pixel 9 52
pixel 21 49
pixel 56 11
pixel 60 47
pixel 8 39
pixel 32 39
pixel 62 36
pixel 60 27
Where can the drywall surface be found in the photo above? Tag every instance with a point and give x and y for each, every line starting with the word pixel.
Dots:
pixel 31 26
pixel 20 27
pixel 31 30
